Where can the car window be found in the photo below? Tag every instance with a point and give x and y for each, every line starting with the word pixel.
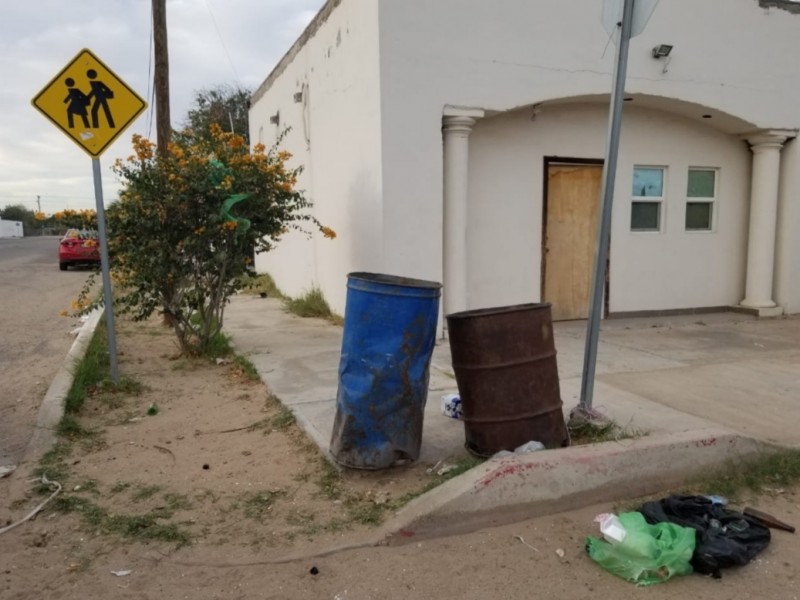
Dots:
pixel 81 234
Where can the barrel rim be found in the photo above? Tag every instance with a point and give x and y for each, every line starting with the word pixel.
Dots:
pixel 498 310
pixel 396 280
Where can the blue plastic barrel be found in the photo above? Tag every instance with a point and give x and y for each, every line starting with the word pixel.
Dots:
pixel 389 334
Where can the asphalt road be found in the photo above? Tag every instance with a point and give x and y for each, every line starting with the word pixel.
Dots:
pixel 35 338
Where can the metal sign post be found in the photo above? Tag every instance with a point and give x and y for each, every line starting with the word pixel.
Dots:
pixel 606 202
pixel 89 103
pixel 106 269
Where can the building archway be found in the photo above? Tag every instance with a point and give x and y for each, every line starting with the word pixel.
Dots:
pixel 654 268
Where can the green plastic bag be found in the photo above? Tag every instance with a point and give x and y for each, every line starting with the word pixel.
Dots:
pixel 649 553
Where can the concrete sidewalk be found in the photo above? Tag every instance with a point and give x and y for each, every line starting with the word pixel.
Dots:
pixel 706 388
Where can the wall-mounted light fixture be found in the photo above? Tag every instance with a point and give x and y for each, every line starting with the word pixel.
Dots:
pixel 662 51
pixel 276 118
pixel 298 97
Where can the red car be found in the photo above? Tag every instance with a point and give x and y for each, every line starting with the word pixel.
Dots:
pixel 79 247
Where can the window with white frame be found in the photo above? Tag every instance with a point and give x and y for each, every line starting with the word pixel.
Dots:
pixel 648 198
pixel 701 193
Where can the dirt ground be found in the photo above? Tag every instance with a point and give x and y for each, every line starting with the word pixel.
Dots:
pixel 219 495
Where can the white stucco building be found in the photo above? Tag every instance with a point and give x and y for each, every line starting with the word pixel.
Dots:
pixel 462 141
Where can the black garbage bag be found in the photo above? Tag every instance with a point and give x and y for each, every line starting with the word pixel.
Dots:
pixel 725 538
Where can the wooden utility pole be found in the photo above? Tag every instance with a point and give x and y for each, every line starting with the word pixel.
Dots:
pixel 161 83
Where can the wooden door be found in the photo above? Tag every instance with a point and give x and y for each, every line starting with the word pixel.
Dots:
pixel 570 237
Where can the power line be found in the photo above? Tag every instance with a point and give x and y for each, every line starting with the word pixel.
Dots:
pixel 222 42
pixel 44 197
pixel 152 103
pixel 45 202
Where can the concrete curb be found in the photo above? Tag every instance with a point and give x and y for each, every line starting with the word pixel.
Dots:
pixel 52 408
pixel 514 488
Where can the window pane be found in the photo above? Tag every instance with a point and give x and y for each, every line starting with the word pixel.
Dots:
pixel 645 216
pixel 698 216
pixel 648 182
pixel 701 183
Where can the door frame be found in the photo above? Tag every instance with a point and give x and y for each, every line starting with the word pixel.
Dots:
pixel 567 161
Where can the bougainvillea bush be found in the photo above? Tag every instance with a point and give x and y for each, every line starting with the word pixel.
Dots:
pixel 187 224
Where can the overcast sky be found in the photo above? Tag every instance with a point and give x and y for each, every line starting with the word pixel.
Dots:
pixel 211 42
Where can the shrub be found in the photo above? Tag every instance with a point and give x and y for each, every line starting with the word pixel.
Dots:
pixel 187 224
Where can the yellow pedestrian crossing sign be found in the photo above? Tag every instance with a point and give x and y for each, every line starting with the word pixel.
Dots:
pixel 89 103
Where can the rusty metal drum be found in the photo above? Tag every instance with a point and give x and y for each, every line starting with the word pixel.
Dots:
pixel 504 361
pixel 387 344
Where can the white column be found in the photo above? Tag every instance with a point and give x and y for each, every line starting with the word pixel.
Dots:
pixel 766 147
pixel 456 127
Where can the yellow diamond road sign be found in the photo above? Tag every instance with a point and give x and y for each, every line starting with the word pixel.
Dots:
pixel 89 103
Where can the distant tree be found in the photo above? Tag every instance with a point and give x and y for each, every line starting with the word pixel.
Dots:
pixel 224 105
pixel 75 219
pixel 18 212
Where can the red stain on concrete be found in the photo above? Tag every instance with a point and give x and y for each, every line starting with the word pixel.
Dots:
pixel 707 442
pixel 511 469
pixel 406 533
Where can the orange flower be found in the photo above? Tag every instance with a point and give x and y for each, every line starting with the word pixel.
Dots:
pixel 227 183
pixel 143 147
pixel 175 150
pixel 328 232
pixel 236 142
pixel 216 131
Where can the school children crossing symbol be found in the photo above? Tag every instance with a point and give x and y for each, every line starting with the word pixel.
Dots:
pixel 89 103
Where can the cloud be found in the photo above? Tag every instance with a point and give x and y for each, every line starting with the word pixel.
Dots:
pixel 210 42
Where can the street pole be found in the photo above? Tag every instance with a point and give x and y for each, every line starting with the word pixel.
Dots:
pixel 161 79
pixel 604 226
pixel 105 267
